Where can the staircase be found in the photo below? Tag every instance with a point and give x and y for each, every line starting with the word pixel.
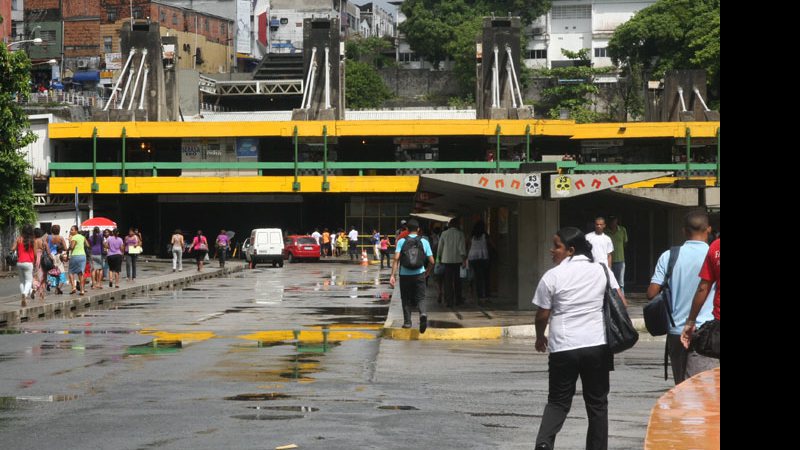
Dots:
pixel 280 67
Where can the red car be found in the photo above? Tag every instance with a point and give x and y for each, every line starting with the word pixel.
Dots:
pixel 300 247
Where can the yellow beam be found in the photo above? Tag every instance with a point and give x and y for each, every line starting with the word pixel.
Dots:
pixel 359 128
pixel 710 181
pixel 235 185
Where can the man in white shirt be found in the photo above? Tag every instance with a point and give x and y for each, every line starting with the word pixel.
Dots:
pixel 353 237
pixel 602 247
pixel 317 236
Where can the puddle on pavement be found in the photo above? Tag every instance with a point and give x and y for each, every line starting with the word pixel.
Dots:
pixel 497 425
pixel 21 401
pixel 157 347
pixel 258 397
pixel 398 408
pixel 443 324
pixel 285 408
pixel 503 415
pixel 264 417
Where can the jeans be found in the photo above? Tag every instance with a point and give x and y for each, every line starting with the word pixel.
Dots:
pixel 452 284
pixel 412 293
pixel 619 273
pixel 353 249
pixel 177 258
pixel 481 268
pixel 25 270
pixel 221 254
pixel 130 266
pixel 592 364
pixel 685 364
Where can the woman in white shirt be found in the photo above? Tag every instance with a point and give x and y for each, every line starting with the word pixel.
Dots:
pixel 570 299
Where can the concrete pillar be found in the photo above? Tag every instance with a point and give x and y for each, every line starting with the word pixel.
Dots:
pixel 524 252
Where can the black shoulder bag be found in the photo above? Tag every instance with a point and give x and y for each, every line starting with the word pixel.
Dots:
pixel 658 312
pixel 620 333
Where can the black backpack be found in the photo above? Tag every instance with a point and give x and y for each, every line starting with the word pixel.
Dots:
pixel 412 255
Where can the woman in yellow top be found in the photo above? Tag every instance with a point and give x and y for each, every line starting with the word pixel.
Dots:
pixel 342 242
pixel 77 259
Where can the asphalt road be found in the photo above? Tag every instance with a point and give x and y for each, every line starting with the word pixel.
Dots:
pixel 271 357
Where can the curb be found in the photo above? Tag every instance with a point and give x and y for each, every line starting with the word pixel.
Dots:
pixel 100 300
pixel 466 334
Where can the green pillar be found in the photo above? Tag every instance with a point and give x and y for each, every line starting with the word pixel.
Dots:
pixel 528 143
pixel 296 184
pixel 95 186
pixel 326 186
pixel 688 151
pixel 497 152
pixel 718 154
pixel 123 187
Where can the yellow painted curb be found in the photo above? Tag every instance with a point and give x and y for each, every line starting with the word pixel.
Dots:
pixel 443 334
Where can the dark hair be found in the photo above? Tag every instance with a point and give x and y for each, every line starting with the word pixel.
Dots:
pixel 96 230
pixel 574 237
pixel 479 229
pixel 27 236
pixel 115 232
pixel 199 232
pixel 55 229
pixel 412 225
pixel 695 221
pixel 38 232
pixel 177 231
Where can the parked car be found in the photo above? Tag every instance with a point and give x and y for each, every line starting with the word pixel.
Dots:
pixel 301 247
pixel 264 245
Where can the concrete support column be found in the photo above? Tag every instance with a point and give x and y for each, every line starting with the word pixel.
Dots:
pixel 533 223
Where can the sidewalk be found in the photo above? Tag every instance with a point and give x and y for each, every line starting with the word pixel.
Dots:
pixel 154 274
pixel 469 321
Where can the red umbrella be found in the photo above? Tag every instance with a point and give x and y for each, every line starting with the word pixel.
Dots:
pixel 100 222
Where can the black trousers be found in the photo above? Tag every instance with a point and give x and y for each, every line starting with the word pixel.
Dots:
pixel 452 284
pixel 592 365
pixel 221 254
pixel 412 293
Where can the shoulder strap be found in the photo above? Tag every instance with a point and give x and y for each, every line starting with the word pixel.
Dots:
pixel 673 257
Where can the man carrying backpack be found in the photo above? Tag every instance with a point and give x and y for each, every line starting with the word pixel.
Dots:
pixel 410 257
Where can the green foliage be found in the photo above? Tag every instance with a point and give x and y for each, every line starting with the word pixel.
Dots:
pixel 573 88
pixel 672 35
pixel 438 29
pixel 370 50
pixel 364 88
pixel 16 196
pixel 461 102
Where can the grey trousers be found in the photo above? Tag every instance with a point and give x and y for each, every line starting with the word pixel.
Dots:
pixel 685 363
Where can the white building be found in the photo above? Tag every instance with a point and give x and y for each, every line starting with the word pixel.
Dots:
pixel 574 25
pixel 375 21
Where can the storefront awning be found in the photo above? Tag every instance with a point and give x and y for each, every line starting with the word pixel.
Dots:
pixel 87 75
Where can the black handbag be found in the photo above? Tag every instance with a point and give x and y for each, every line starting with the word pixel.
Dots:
pixel 658 312
pixel 705 340
pixel 620 333
pixel 46 262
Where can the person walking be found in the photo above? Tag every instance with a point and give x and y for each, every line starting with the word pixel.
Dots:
pixel 409 261
pixel 222 247
pixel 478 258
pixel 178 244
pixel 57 247
pixel 352 236
pixel 619 238
pixel 199 249
pixel 77 260
pixel 602 247
pixel 569 298
pixel 26 257
pixel 96 244
pixel 106 235
pixel 133 248
pixel 452 252
pixel 40 251
pixel 709 274
pixel 376 241
pixel 115 249
pixel 384 248
pixel 683 283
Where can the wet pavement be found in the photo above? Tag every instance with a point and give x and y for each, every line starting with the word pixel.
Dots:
pixel 271 357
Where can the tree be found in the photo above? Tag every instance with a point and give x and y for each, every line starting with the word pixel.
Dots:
pixel 438 29
pixel 573 88
pixel 670 35
pixel 364 88
pixel 370 50
pixel 16 195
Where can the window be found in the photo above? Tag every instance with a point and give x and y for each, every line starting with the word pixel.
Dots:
pixel 112 15
pixel 174 19
pixel 137 13
pixel 408 57
pixel 107 42
pixel 162 16
pixel 601 52
pixel 571 12
pixel 536 54
pixel 207 26
pixel 48 36
pixel 222 29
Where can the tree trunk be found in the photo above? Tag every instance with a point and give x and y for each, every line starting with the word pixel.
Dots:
pixel 6 241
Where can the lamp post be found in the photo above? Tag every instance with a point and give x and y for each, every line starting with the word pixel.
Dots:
pixel 36 41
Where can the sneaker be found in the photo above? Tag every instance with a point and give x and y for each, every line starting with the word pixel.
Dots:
pixel 406 325
pixel 423 324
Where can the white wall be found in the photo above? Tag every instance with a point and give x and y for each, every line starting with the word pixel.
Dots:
pixel 65 219
pixel 39 153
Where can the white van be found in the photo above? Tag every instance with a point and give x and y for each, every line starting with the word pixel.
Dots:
pixel 264 245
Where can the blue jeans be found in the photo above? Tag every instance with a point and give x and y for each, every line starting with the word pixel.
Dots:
pixel 619 273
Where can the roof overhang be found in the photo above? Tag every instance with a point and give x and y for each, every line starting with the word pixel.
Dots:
pixel 451 195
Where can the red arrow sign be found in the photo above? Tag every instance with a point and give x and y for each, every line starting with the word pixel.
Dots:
pixel 580 184
pixel 613 180
pixel 483 181
pixel 499 184
pixel 596 183
pixel 515 184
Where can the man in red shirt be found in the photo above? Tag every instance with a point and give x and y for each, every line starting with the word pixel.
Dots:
pixel 709 274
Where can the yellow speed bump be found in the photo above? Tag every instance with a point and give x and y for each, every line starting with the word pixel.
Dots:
pixel 443 334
